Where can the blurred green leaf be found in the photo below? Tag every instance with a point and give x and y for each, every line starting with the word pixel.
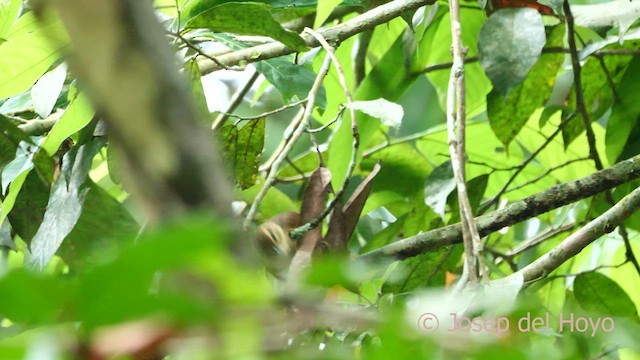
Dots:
pixel 598 294
pixel 9 11
pixel 29 51
pixel 31 298
pixel 417 272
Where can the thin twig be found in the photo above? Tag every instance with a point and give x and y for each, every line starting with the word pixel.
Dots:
pixel 308 111
pixel 198 51
pixel 288 133
pixel 333 121
pixel 577 81
pixel 542 176
pixel 580 239
pixel 521 167
pixel 456 113
pixel 591 138
pixel 266 113
pixel 297 232
pixel 235 102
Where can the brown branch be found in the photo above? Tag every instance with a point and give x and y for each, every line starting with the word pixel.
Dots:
pixel 456 111
pixel 334 35
pixel 547 200
pixel 577 241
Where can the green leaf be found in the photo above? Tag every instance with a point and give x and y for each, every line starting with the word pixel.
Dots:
pixel 387 80
pixel 78 114
pixel 476 188
pixel 416 272
pixel 10 137
pixel 508 114
pixel 599 294
pixel 29 52
pixel 46 90
pixel 626 109
pixel 509 44
pixel 29 208
pixel 275 201
pixel 65 204
pixel 246 19
pixel 9 10
pixel 197 91
pixel 102 223
pixel 243 148
pixel 31 298
pixel 389 113
pixel 118 289
pixel 432 52
pixel 325 8
pixel 439 185
pixel 293 8
pixel 21 163
pixel 598 95
pixel 280 72
pixel 403 170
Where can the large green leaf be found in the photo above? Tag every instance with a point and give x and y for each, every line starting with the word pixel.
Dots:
pixel 626 111
pixel 599 294
pixel 509 113
pixel 32 46
pixel 299 7
pixel 246 19
pixel 65 204
pixel 9 11
pixel 509 44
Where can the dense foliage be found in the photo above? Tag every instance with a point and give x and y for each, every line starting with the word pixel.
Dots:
pixel 141 147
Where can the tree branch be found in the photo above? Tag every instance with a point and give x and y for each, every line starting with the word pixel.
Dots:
pixel 547 200
pixel 334 35
pixel 577 241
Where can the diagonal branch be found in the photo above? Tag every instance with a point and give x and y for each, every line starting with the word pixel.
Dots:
pixel 577 241
pixel 547 200
pixel 334 35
